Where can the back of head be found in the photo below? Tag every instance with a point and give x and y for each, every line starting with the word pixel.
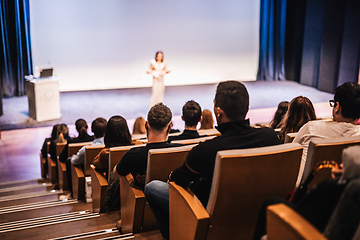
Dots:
pixel 207 121
pixel 81 127
pixel 348 96
pixel 159 117
pixel 54 132
pixel 233 98
pixel 62 133
pixel 139 126
pixel 279 114
pixel 98 127
pixel 191 113
pixel 300 111
pixel 117 132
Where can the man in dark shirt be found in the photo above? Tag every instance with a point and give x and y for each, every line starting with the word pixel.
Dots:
pixel 231 105
pixel 191 115
pixel 157 129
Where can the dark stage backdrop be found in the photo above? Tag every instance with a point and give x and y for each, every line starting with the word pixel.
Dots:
pixel 323 42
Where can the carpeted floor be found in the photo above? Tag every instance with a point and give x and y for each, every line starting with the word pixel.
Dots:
pixel 132 103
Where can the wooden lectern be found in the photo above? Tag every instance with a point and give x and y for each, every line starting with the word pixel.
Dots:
pixel 44 98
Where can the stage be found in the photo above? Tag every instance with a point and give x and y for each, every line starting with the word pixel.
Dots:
pixel 134 102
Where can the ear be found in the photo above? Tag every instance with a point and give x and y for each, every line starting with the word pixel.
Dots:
pixel 147 125
pixel 169 128
pixel 218 112
pixel 337 108
pixel 182 118
pixel 201 118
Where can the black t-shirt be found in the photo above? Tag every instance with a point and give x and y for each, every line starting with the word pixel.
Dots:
pixel 135 160
pixel 201 159
pixel 186 134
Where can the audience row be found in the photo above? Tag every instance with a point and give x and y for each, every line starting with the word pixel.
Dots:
pixel 231 105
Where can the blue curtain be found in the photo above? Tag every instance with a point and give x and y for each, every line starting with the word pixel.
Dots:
pixel 15 52
pixel 272 40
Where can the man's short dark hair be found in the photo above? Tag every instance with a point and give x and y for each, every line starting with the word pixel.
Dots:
pixel 233 98
pixel 191 113
pixel 159 116
pixel 348 96
pixel 98 127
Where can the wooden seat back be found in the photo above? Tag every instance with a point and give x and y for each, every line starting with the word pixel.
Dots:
pixel 75 147
pixel 209 132
pixel 53 163
pixel 194 140
pixel 136 215
pixel 162 161
pixel 59 148
pixel 116 154
pixel 326 149
pixel 284 223
pixel 90 153
pixel 242 181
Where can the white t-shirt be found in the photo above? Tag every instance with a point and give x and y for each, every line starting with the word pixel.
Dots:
pixel 321 130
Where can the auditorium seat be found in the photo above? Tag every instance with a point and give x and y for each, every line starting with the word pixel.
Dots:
pixel 194 140
pixel 43 171
pixel 326 150
pixel 99 183
pixel 73 148
pixel 284 223
pixel 209 132
pixel 242 181
pixel 78 175
pixel 136 215
pixel 52 164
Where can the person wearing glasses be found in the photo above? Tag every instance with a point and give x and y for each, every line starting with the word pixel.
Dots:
pixel 346 113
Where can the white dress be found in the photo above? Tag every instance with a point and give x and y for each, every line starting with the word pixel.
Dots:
pixel 158 71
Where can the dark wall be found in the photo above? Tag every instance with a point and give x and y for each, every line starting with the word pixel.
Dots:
pixel 323 42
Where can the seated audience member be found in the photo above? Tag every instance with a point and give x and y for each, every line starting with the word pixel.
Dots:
pixel 139 126
pixel 62 137
pixel 279 114
pixel 207 121
pixel 98 127
pixel 191 115
pixel 231 105
pixel 44 149
pixel 52 137
pixel 300 111
pixel 346 112
pixel 319 204
pixel 116 134
pixel 157 130
pixel 81 127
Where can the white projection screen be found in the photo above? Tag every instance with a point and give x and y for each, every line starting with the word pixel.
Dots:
pixel 94 44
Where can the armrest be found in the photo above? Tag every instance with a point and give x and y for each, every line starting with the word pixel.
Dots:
pixel 132 207
pixel 78 182
pixel 99 186
pixel 63 182
pixel 43 171
pixel 188 217
pixel 52 170
pixel 284 223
